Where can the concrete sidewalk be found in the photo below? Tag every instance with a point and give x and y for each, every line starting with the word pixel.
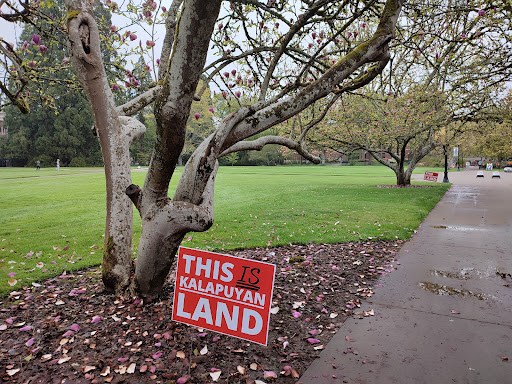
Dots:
pixel 445 316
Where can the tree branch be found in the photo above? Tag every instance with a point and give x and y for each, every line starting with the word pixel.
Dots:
pixel 261 142
pixel 170 30
pixel 375 49
pixel 135 105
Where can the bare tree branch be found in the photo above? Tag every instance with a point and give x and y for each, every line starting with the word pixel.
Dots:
pixel 261 142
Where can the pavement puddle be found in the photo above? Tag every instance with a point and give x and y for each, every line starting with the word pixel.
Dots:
pixel 445 290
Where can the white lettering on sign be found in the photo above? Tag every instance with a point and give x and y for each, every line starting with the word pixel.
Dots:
pixel 204 311
pixel 207 268
pixel 217 289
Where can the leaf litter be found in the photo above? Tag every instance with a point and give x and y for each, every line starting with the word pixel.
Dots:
pixel 67 330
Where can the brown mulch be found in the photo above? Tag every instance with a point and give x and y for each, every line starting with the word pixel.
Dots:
pixel 404 186
pixel 67 330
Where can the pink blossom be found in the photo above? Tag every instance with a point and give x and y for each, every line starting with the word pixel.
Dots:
pixel 238 94
pixel 115 87
pixel 197 115
pixel 43 48
pixel 133 36
pixel 211 110
pixel 150 43
pixel 164 9
pixel 233 72
pixel 481 12
pixel 226 74
pixel 36 39
pixel 12 274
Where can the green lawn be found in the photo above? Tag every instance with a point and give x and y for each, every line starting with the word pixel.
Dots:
pixel 53 224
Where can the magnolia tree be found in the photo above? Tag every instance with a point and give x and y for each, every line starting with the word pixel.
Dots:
pixel 277 56
pixel 405 128
pixel 449 58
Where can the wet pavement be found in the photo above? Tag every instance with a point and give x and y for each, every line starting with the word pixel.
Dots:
pixel 445 314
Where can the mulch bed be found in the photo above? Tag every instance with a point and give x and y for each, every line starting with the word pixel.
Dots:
pixel 67 330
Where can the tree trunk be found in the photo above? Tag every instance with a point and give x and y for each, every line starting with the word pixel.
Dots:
pixel 165 222
pixel 403 179
pixel 115 133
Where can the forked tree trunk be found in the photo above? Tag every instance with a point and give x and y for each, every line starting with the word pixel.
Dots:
pixel 165 222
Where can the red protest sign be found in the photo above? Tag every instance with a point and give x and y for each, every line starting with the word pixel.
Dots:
pixel 430 176
pixel 225 294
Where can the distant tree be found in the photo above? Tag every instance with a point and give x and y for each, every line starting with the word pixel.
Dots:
pixel 232 158
pixel 403 127
pixel 61 121
pixel 491 138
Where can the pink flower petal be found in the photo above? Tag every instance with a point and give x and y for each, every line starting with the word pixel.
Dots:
pixel 182 380
pixel 156 355
pixel 313 341
pixel 269 375
pixel 296 314
pixel 95 319
pixel 75 327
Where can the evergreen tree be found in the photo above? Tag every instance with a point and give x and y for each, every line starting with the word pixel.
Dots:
pixel 60 122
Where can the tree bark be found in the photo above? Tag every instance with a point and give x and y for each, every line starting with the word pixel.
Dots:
pixel 115 135
pixel 165 222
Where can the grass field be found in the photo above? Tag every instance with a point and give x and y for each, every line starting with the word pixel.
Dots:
pixel 52 221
